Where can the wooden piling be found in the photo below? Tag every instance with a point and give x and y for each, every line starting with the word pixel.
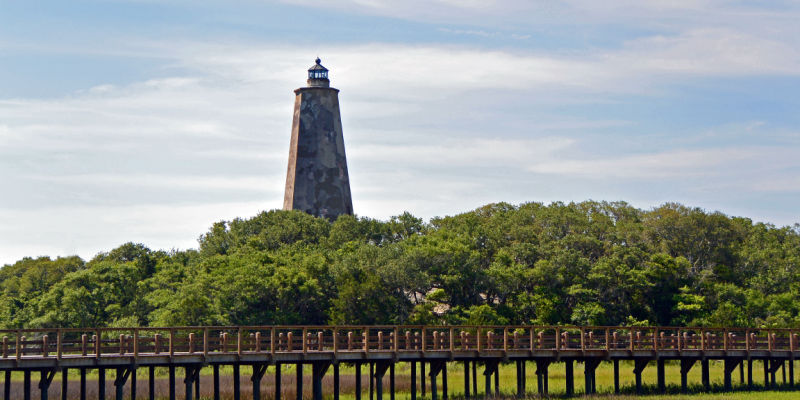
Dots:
pixel 133 383
pixel 358 381
pixel 686 366
pixel 569 375
pixel 237 390
pixel 639 366
pixel 151 383
pixel 496 381
pixel 299 381
pixel 413 380
pixel 444 381
pixel 258 373
pixel 475 378
pixel 318 370
pixel 26 384
pixel 371 381
pixel 277 382
pixel 7 385
pixel 705 376
pixel 422 377
pixel 335 382
pixel 64 383
pixel 83 384
pixel 391 381
pixel 466 376
pixel 101 383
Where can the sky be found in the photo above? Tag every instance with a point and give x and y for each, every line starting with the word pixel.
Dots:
pixel 147 121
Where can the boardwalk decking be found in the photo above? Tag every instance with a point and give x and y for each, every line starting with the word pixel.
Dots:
pixel 49 351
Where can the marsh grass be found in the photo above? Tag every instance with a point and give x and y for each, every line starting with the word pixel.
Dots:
pixel 455 377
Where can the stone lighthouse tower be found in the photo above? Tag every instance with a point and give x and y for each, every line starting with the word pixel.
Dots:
pixel 317 180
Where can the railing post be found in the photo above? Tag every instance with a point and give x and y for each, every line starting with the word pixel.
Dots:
pixel 424 341
pixel 320 341
pixel 157 343
pixel 171 343
pixel 121 343
pixel 531 339
pixel 558 339
pixel 583 341
pixel 747 341
pixel 44 345
pixel 98 343
pixel 505 339
pixel 478 339
pixel 135 343
pixel 725 340
pixel 305 339
pixel 791 341
pixel 366 339
pixel 59 338
pixel 608 344
pixel 18 339
pixel 632 340
pixel 769 340
pixel 20 346
pixel 257 342
pixel 615 339
pixel 655 339
pixel 5 346
pixel 272 340
pixel 452 337
pixel 205 342
pixel 702 340
pixel 335 340
pixel 239 341
pixel 396 339
pixel 289 341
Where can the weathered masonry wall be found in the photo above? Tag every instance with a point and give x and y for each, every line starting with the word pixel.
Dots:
pixel 317 181
pixel 48 352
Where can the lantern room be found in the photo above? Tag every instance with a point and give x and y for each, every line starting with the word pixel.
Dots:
pixel 318 75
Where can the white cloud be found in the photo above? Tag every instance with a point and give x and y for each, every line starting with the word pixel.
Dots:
pixel 675 164
pixel 87 231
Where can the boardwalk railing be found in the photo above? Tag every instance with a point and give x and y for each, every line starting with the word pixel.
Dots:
pixel 115 342
pixel 127 350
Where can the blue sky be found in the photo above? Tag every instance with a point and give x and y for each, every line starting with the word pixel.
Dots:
pixel 147 121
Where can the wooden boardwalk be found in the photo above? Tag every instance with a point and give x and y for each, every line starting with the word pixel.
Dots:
pixel 189 349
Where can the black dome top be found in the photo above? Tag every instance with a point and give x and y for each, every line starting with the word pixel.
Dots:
pixel 317 66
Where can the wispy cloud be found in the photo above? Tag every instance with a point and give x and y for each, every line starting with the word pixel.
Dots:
pixel 726 164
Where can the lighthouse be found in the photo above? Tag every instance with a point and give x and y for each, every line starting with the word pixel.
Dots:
pixel 317 181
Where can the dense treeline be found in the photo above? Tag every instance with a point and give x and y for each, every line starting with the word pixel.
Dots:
pixel 585 263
